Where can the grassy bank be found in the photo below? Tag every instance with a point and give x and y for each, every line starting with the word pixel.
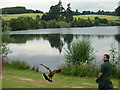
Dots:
pixel 10 16
pixel 108 17
pixel 16 78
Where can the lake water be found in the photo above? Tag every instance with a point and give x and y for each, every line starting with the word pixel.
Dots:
pixel 48 46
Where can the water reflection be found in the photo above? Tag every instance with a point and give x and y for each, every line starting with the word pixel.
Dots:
pixel 57 40
pixel 50 48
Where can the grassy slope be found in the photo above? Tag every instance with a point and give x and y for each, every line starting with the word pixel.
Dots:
pixel 29 79
pixel 100 16
pixel 10 16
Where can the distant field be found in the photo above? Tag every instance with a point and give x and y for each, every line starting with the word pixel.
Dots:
pixel 10 16
pixel 100 16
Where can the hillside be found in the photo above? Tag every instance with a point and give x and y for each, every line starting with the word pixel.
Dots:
pixel 10 16
pixel 18 10
pixel 108 17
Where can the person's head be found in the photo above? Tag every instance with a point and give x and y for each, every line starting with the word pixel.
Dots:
pixel 106 57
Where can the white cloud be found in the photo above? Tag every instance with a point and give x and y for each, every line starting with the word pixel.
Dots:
pixel 44 5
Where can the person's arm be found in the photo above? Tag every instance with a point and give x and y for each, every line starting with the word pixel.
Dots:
pixel 101 71
pixel 100 74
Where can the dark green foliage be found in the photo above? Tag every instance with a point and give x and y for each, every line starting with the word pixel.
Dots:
pixel 113 24
pixel 52 24
pixel 17 65
pixel 81 70
pixel 81 23
pixel 18 10
pixel 24 23
pixel 48 17
pixel 80 51
pixel 5 26
pixel 99 12
pixel 116 71
pixel 104 21
pixel 55 10
pixel 69 14
pixel 98 21
pixel 117 11
pixel 43 24
pixel 5 50
pixel 63 24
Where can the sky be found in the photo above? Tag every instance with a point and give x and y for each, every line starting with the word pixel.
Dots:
pixel 81 5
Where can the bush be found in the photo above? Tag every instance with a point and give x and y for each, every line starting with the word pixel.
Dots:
pixel 80 51
pixel 98 21
pixel 63 24
pixel 52 24
pixel 17 65
pixel 24 23
pixel 78 59
pixel 82 70
pixel 116 72
pixel 43 24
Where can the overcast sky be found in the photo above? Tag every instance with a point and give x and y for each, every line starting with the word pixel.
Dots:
pixel 44 5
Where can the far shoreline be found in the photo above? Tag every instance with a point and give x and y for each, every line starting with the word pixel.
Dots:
pixel 68 30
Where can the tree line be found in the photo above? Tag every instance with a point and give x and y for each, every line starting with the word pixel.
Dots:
pixel 25 23
pixel 18 10
pixel 99 12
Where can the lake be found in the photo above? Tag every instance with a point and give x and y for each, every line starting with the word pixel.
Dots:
pixel 48 46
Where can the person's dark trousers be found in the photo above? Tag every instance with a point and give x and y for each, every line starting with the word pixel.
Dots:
pixel 103 85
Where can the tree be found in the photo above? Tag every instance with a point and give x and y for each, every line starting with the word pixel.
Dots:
pixel 104 21
pixel 69 13
pixel 48 17
pixel 90 22
pixel 79 52
pixel 96 21
pixel 23 23
pixel 57 10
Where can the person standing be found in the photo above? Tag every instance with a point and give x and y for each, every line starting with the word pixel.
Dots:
pixel 103 79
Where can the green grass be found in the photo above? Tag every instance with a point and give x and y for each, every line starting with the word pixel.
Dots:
pixel 112 18
pixel 10 16
pixel 15 78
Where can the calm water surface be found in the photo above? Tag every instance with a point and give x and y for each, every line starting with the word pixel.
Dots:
pixel 48 46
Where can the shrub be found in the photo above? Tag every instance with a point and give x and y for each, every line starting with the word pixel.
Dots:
pixel 80 51
pixel 52 24
pixel 24 23
pixel 17 65
pixel 78 59
pixel 63 24
pixel 115 72
pixel 81 70
pixel 43 24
